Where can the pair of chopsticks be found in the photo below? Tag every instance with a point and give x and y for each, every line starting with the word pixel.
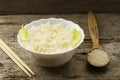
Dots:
pixel 16 59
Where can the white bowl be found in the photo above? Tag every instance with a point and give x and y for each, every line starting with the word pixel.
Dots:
pixel 56 59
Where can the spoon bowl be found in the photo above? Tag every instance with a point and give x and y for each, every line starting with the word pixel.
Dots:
pixel 98 57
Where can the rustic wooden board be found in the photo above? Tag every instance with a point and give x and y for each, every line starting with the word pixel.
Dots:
pixel 75 69
pixel 57 6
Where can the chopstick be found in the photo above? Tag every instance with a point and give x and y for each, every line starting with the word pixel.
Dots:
pixel 16 59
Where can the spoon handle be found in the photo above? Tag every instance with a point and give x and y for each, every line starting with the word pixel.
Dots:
pixel 93 28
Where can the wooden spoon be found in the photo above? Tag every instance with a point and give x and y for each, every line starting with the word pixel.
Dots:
pixel 97 56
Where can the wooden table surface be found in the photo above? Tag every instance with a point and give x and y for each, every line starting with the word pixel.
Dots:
pixel 77 68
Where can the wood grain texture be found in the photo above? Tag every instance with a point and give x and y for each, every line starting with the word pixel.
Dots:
pixel 77 68
pixel 57 6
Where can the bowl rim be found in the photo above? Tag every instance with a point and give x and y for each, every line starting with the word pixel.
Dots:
pixel 42 53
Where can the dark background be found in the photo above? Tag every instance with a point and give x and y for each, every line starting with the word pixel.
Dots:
pixel 58 6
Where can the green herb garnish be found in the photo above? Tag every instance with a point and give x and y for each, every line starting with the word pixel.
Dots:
pixel 24 34
pixel 76 37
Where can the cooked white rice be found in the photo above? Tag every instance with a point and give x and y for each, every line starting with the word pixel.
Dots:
pixel 49 38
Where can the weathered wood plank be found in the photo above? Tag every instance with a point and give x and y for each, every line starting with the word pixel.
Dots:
pixel 108 23
pixel 57 6
pixel 75 69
